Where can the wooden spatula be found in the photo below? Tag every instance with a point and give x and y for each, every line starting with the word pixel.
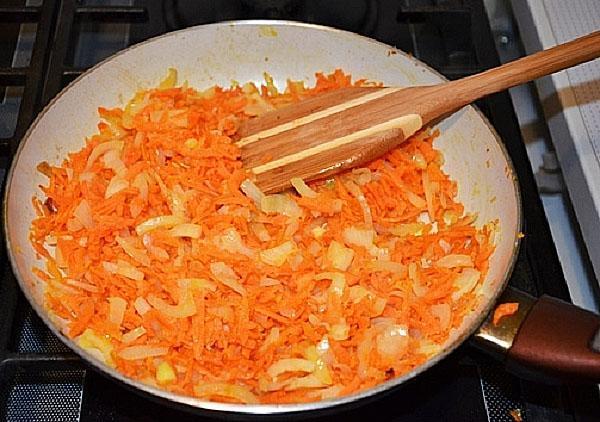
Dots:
pixel 345 128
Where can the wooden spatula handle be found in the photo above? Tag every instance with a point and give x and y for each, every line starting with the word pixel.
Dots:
pixel 466 90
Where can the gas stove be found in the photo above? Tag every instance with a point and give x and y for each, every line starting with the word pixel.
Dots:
pixel 46 44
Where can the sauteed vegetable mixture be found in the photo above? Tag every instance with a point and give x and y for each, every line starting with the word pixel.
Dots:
pixel 163 261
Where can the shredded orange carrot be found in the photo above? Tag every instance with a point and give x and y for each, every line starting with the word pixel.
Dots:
pixel 504 310
pixel 164 263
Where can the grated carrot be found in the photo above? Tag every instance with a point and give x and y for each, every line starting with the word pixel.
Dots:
pixel 177 166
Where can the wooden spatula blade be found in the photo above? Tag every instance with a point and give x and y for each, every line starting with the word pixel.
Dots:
pixel 324 135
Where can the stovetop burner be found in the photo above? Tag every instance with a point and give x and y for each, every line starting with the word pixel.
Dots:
pixel 44 45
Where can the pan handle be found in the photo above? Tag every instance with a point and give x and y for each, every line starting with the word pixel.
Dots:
pixel 546 338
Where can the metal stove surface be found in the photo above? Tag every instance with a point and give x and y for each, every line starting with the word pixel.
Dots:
pixel 44 45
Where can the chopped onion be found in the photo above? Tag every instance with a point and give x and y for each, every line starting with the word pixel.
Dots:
pixel 185 308
pixel 252 191
pixel 141 306
pixel 223 389
pixel 116 185
pixel 358 293
pixel 225 274
pixel 429 348
pixel 142 352
pixel 112 160
pixel 410 229
pixel 165 373
pixel 309 381
pixel 186 230
pixel 116 309
pixel 141 183
pixel 419 160
pixel 163 221
pixel 302 188
pixel 138 254
pixel 231 241
pixel 133 335
pixel 102 149
pixel 446 247
pixel 290 365
pixel 268 282
pixel 159 253
pixel 359 237
pixel 260 230
pixel 443 312
pixel 338 282
pixel 450 217
pixel 465 282
pixel 98 346
pixel 339 256
pixel 415 199
pixel 392 342
pixel 279 254
pixel 454 260
pixel 83 214
pixel 281 204
pixel 378 306
pixel 339 332
pixel 125 269
pixel 196 283
pixel 110 267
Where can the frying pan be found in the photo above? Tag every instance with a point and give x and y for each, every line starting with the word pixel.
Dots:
pixel 545 335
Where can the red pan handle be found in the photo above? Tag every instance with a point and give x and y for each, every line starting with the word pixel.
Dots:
pixel 546 337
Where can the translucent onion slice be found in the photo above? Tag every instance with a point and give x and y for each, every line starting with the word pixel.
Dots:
pixel 142 352
pixel 302 188
pixel 185 308
pixel 132 335
pixel 98 346
pixel 393 341
pixel 83 214
pixel 465 282
pixel 339 256
pixel 197 283
pixel 338 282
pixel 225 274
pixel 193 231
pixel 231 241
pixel 141 306
pixel 141 183
pixel 280 204
pixel 260 230
pixel 290 365
pixel 163 221
pixel 454 260
pixel 252 191
pixel 309 381
pixel 125 269
pixel 116 310
pixel 102 149
pixel 112 160
pixel 165 373
pixel 223 389
pixel 279 254
pixel 139 255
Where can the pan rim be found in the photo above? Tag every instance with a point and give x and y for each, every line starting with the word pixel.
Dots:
pixel 194 404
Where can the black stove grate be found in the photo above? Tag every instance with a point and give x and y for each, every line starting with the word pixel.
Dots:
pixel 40 379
